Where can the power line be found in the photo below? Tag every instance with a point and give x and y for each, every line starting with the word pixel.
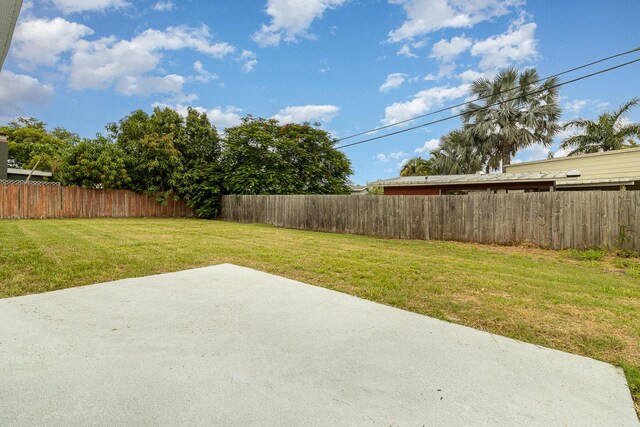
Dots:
pixel 485 97
pixel 492 105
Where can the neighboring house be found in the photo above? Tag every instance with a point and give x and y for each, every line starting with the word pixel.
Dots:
pixel 11 175
pixel 9 11
pixel 359 190
pixel 612 170
pixel 599 170
pixel 23 174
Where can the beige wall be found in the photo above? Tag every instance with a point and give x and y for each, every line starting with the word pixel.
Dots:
pixel 613 164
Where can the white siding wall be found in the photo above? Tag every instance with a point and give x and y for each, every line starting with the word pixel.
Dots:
pixel 614 164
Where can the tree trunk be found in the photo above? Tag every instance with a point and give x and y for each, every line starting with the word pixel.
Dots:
pixel 506 156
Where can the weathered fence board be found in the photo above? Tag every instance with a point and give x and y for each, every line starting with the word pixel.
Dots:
pixel 37 202
pixel 558 220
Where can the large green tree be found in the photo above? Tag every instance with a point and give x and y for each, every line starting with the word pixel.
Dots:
pixel 261 156
pixel 610 132
pixel 94 163
pixel 199 146
pixel 516 111
pixel 31 144
pixel 164 151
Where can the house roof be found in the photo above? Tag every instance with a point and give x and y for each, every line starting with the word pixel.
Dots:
pixel 26 172
pixel 495 178
pixel 597 182
pixel 9 11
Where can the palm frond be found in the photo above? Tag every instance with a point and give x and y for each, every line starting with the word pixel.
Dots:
pixel 624 109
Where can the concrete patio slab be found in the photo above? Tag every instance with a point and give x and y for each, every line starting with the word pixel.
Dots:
pixel 226 345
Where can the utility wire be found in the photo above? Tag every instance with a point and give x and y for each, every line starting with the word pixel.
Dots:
pixel 492 105
pixel 462 104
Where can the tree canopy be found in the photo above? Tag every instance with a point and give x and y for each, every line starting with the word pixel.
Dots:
pixel 609 132
pixel 168 154
pixel 460 153
pixel 417 166
pixel 516 111
pixel 97 163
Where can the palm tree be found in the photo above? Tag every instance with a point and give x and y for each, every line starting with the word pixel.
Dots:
pixel 516 112
pixel 416 167
pixel 609 132
pixel 459 153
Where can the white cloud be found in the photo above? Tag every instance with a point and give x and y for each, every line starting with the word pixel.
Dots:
pixel 224 117
pixel 446 51
pixel 181 98
pixel 517 45
pixel 534 152
pixel 145 86
pixel 426 16
pixel 71 6
pixel 405 50
pixel 471 75
pixel 18 91
pixel 394 81
pixel 182 37
pixel 422 102
pixel 41 41
pixel 203 75
pixel 307 113
pixel 428 146
pixel 249 60
pixel 561 152
pixel 102 63
pixel 27 6
pixel 291 19
pixel 108 61
pixel 164 5
pixel 576 105
pixel 446 69
pixel 394 155
pixel 382 158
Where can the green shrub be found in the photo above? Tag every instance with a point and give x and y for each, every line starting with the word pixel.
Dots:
pixel 634 271
pixel 627 253
pixel 588 255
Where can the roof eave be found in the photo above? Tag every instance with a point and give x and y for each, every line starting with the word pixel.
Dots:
pixel 436 184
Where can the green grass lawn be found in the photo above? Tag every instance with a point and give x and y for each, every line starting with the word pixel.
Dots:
pixel 582 303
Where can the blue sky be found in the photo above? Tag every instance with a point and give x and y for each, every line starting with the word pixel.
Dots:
pixel 350 64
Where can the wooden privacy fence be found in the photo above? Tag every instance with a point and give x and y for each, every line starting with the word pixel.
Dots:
pixel 556 220
pixel 37 202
